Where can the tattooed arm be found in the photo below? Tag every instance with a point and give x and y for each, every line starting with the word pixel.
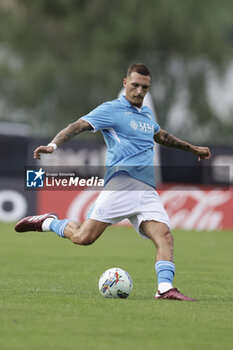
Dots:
pixel 63 136
pixel 164 138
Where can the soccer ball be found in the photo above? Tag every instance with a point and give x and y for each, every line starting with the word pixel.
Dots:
pixel 115 283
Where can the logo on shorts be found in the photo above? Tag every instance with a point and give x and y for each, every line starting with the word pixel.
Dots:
pixel 35 178
pixel 100 211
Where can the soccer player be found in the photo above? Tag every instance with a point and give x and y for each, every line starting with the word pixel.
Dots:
pixel 129 130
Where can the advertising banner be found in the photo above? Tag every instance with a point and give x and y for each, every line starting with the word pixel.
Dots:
pixel 195 207
pixel 15 202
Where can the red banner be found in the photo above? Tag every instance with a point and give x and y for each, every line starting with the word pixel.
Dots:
pixel 195 207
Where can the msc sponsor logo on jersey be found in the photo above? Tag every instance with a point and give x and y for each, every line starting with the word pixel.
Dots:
pixel 35 178
pixel 142 126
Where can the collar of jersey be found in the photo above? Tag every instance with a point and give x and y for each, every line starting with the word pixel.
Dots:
pixel 126 103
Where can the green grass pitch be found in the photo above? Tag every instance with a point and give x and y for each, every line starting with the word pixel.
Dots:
pixel 49 296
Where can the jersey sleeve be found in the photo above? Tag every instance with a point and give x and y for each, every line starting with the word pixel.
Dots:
pixel 100 117
pixel 156 128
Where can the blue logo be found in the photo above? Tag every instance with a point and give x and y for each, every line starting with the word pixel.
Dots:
pixel 35 178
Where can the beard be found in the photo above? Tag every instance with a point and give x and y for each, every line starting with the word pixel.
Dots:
pixel 137 101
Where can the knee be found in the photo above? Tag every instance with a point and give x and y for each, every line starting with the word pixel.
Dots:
pixel 86 240
pixel 83 239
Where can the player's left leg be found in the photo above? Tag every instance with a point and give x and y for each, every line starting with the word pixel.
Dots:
pixel 162 238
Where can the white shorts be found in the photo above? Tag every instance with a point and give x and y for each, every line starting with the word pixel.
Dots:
pixel 113 206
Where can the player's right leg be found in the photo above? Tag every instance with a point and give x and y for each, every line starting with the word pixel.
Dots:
pixel 84 234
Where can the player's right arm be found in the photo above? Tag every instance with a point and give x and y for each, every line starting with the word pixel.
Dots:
pixel 63 136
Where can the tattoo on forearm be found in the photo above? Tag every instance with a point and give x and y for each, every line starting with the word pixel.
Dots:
pixel 171 141
pixel 82 125
pixel 71 130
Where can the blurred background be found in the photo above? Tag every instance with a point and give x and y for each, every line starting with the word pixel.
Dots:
pixel 61 58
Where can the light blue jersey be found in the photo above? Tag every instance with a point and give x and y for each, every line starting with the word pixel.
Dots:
pixel 128 133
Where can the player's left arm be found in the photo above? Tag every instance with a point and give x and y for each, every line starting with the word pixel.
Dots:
pixel 164 138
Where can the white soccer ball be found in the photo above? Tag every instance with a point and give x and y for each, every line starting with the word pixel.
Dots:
pixel 115 283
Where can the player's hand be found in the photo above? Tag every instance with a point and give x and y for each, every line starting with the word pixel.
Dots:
pixel 202 152
pixel 42 149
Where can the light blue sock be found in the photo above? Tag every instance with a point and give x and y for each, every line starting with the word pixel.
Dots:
pixel 58 226
pixel 165 271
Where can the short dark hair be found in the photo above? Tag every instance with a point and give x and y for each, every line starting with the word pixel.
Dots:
pixel 138 68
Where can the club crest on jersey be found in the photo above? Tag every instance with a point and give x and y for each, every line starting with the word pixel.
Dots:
pixel 142 126
pixel 133 124
pixel 35 178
